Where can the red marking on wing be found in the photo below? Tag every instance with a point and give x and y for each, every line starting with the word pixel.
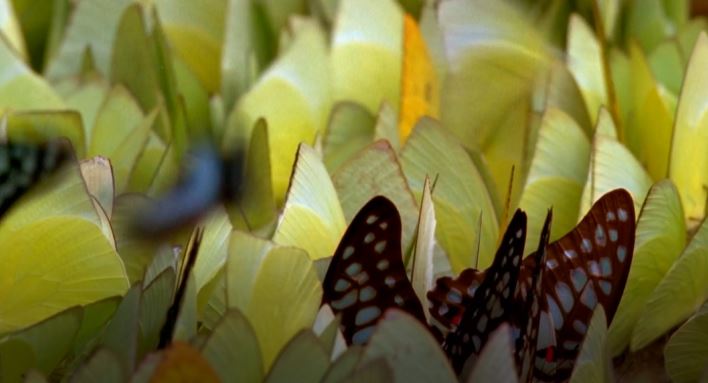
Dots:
pixel 600 247
pixel 492 302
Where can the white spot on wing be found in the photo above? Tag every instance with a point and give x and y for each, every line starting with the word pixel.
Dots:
pixel 341 285
pixel 621 253
pixel 380 246
pixel 353 269
pixel 565 295
pixel 622 214
pixel 382 264
pixel 367 293
pixel 348 251
pixel 347 300
pixel 613 235
pixel 586 246
pixel 389 281
pixel 366 315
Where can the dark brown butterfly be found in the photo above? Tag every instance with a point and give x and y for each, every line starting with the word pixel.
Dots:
pixel 366 275
pixel 586 267
pixel 492 302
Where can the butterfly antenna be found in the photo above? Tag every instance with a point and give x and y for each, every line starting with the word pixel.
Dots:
pixel 592 174
pixel 479 240
pixel 435 182
pixel 507 203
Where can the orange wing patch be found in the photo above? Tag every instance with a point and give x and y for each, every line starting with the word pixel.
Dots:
pixel 419 85
pixel 182 363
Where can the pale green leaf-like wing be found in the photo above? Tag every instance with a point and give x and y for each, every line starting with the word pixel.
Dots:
pixel 557 175
pixel 686 353
pixel 293 96
pixel 689 152
pixel 312 218
pixel 303 359
pixel 424 247
pixel 372 29
pixel 593 363
pixel 459 200
pixel 376 171
pixel 660 238
pixel 232 349
pixel 680 293
pixel 409 348
pixel 496 361
pixel 103 365
pixel 285 299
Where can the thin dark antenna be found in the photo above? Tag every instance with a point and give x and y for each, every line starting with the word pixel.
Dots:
pixel 507 204
pixel 479 240
pixel 435 182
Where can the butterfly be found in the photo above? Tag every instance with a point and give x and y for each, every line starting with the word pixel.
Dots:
pixel 23 164
pixel 367 276
pixel 586 267
pixel 206 179
pixel 548 298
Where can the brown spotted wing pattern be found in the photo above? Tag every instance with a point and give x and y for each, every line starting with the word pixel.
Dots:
pixel 366 275
pixel 586 267
pixel 526 321
pixel 492 302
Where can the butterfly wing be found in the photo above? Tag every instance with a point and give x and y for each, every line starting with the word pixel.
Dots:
pixel 24 164
pixel 587 267
pixel 449 297
pixel 366 275
pixel 492 302
pixel 528 318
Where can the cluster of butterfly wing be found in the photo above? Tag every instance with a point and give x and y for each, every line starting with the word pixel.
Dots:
pixel 547 298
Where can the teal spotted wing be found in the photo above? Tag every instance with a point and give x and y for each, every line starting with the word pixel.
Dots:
pixel 492 302
pixel 366 275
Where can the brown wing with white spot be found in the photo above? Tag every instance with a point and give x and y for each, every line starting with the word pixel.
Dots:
pixel 449 297
pixel 587 267
pixel 528 318
pixel 492 301
pixel 367 275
